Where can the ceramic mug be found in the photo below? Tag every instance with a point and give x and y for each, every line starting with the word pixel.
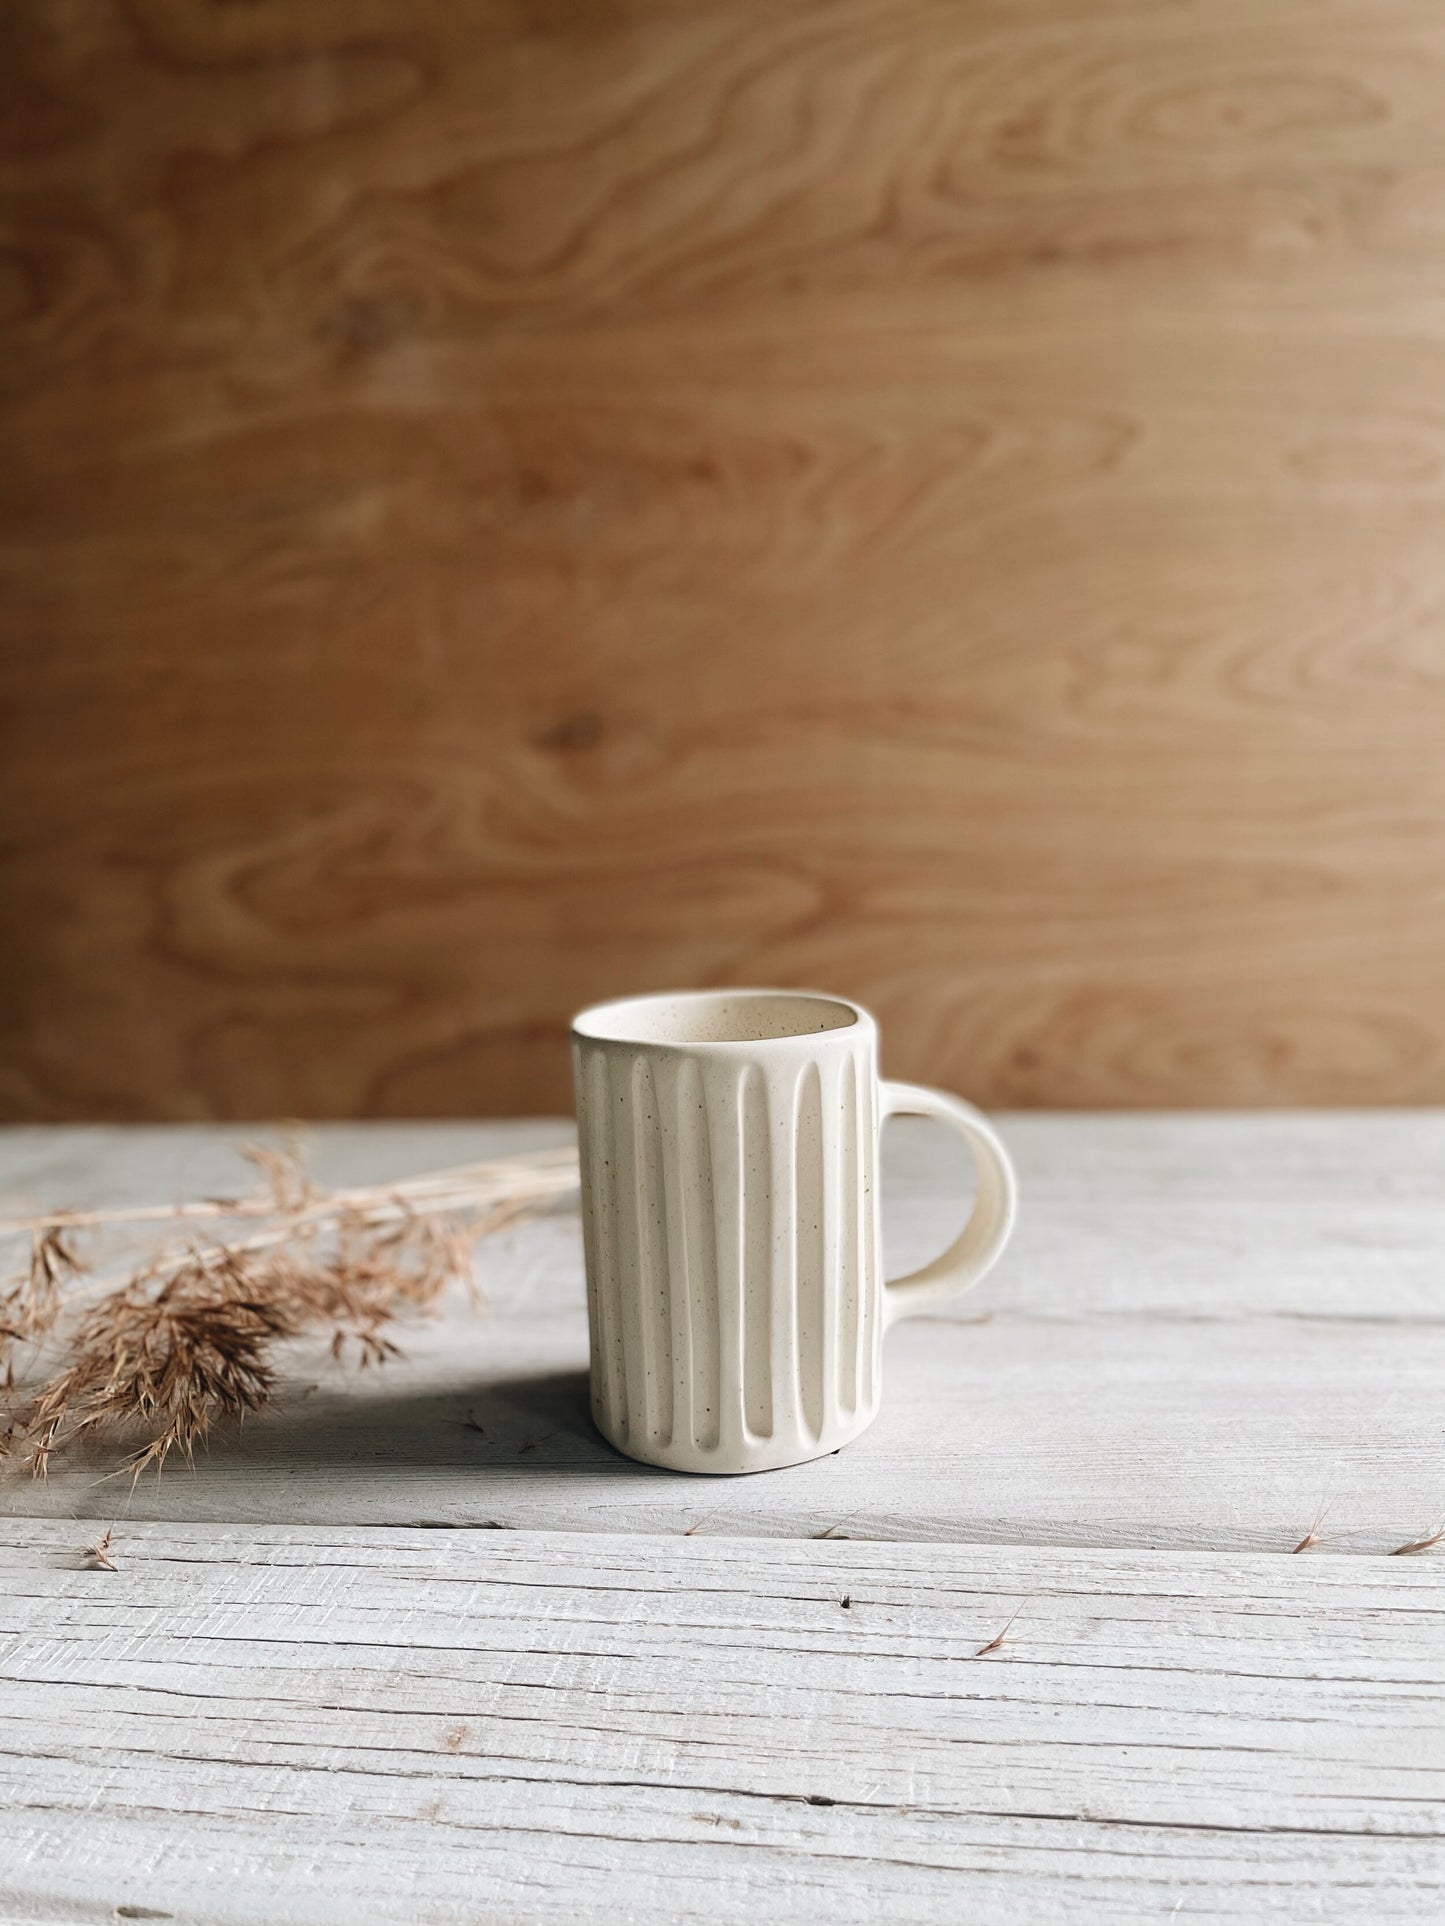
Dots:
pixel 735 1291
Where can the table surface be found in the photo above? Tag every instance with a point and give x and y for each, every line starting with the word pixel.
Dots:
pixel 419 1647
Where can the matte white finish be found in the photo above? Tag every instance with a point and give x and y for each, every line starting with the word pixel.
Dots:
pixel 252 1727
pixel 729 1153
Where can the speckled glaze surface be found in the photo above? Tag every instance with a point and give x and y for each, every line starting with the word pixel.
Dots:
pixel 729 1147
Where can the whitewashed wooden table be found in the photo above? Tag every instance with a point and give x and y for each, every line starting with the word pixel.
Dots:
pixel 420 1648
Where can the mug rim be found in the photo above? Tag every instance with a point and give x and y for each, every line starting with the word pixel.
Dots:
pixel 585 1024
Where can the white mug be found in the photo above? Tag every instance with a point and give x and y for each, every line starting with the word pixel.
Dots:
pixel 735 1292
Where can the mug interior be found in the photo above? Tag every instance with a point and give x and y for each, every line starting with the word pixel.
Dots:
pixel 714 1016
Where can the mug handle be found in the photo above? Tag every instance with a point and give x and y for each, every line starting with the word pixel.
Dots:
pixel 976 1248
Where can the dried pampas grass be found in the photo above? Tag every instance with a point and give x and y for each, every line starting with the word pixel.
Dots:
pixel 188 1337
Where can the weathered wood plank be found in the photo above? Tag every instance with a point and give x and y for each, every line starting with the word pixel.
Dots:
pixel 1207 1329
pixel 319 1725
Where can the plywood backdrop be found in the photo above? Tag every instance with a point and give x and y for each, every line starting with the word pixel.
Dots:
pixel 503 504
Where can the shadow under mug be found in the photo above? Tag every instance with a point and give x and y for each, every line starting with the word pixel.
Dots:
pixel 735 1290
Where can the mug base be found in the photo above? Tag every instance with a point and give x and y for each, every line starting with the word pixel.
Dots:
pixel 756 1454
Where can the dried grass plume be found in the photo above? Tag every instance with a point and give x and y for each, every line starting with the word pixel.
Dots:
pixel 188 1337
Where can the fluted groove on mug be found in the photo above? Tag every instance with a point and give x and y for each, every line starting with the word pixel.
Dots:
pixel 756 1235
pixel 729 1162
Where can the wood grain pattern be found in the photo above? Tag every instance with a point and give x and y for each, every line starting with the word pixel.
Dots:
pixel 506 504
pixel 448 1728
pixel 1206 1331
